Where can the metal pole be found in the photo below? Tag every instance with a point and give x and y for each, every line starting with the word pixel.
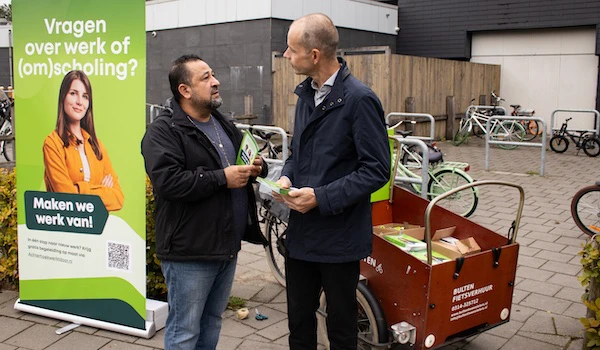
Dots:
pixel 10 66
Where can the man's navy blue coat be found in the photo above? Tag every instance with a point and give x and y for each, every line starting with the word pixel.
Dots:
pixel 340 148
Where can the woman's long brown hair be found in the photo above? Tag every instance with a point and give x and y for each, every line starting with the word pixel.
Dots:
pixel 87 123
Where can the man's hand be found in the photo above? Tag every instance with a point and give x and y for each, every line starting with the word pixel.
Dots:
pixel 237 175
pixel 285 182
pixel 301 200
pixel 258 162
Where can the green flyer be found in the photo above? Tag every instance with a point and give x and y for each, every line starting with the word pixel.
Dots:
pixel 80 87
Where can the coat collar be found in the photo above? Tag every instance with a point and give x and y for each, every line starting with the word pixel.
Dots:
pixel 335 98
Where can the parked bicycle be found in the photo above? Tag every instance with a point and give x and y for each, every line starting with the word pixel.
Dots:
pixel 6 127
pixel 443 176
pixel 532 128
pixel 583 139
pixel 505 130
pixel 585 209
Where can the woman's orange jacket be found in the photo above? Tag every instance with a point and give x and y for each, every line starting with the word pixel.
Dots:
pixel 64 171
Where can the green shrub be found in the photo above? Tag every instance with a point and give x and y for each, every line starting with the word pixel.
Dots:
pixel 9 270
pixel 590 280
pixel 156 288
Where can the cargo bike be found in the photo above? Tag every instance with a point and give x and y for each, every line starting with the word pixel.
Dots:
pixel 409 302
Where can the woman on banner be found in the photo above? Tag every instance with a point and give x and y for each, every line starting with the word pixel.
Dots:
pixel 75 160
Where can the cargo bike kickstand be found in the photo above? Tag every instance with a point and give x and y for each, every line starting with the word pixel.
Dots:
pixel 422 303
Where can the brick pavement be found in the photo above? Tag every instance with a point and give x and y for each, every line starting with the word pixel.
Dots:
pixel 547 294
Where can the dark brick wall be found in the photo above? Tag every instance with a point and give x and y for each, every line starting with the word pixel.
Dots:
pixel 443 28
pixel 4 67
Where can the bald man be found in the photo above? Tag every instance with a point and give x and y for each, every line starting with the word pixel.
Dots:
pixel 340 155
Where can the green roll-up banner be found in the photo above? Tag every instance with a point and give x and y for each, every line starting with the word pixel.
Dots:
pixel 81 207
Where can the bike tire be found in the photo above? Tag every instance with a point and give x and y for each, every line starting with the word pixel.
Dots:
pixel 275 227
pixel 591 146
pixel 464 202
pixel 508 130
pixel 371 323
pixel 559 144
pixel 6 130
pixel 463 132
pixel 585 209
pixel 531 129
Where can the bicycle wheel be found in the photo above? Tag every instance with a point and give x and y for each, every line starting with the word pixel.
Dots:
pixel 585 209
pixel 462 133
pixel 275 227
pixel 591 146
pixel 508 130
pixel 7 146
pixel 371 325
pixel 531 129
pixel 559 143
pixel 443 180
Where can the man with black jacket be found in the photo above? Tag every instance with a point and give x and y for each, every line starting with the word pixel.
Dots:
pixel 205 203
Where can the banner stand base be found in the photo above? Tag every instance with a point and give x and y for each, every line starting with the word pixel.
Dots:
pixel 143 333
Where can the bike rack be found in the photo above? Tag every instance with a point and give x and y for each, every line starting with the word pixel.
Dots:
pixel 154 110
pixel 280 131
pixel 424 180
pixel 488 140
pixel 576 111
pixel 476 107
pixel 418 115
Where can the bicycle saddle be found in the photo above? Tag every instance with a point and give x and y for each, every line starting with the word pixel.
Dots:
pixel 516 106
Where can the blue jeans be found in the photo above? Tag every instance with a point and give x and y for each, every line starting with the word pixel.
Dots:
pixel 198 295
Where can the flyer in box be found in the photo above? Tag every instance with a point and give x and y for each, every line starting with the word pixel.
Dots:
pixel 274 186
pixel 248 149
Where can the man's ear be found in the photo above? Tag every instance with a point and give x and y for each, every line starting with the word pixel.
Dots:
pixel 184 90
pixel 315 55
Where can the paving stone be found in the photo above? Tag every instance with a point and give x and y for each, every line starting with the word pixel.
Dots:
pixel 506 330
pixel 246 258
pixel 539 287
pixel 8 296
pixel 228 343
pixel 486 341
pixel 576 310
pixel 576 344
pixel 564 280
pixel 79 341
pixel 157 341
pixel 244 290
pixel 233 328
pixel 7 347
pixel 8 309
pixel 41 319
pixel 554 256
pixel 116 336
pixel 11 327
pixel 575 242
pixel 274 317
pixel 36 337
pixel 561 267
pixel 268 292
pixel 546 303
pixel 520 342
pixel 553 247
pixel 541 236
pixel 534 274
pixel 571 250
pixel 530 261
pixel 275 331
pixel 521 313
pixel 253 345
pixel 119 345
pixel 572 294
pixel 559 340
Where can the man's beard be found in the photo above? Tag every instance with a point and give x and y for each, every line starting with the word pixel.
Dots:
pixel 211 104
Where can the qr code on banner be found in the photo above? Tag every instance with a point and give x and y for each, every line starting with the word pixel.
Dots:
pixel 118 256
